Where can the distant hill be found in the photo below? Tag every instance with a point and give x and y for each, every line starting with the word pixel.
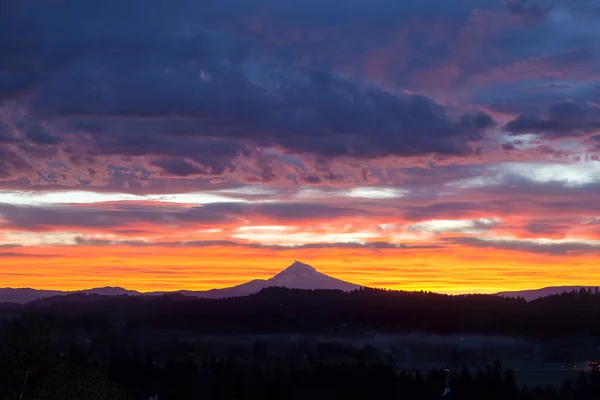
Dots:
pixel 297 276
pixel 277 310
pixel 543 292
pixel 25 295
pixel 111 291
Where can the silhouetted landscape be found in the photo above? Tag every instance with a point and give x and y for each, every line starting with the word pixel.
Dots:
pixel 299 200
pixel 297 276
pixel 282 310
pixel 293 343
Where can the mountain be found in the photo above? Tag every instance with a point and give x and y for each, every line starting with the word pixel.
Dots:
pixel 303 276
pixel 111 291
pixel 543 292
pixel 244 289
pixel 25 295
pixel 297 276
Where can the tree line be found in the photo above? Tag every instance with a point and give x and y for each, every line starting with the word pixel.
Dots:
pixel 279 310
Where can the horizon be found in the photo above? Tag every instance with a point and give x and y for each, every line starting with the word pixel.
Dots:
pixel 84 289
pixel 451 148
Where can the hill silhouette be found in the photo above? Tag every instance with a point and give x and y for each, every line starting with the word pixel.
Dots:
pixel 297 276
pixel 533 294
pixel 293 310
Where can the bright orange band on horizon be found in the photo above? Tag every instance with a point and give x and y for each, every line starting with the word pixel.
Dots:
pixel 456 270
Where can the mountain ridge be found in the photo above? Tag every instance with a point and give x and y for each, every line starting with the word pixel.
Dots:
pixel 532 294
pixel 296 276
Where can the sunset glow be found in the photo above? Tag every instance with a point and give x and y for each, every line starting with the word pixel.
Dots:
pixel 422 145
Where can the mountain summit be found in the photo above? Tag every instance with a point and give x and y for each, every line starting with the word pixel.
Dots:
pixel 297 276
pixel 303 276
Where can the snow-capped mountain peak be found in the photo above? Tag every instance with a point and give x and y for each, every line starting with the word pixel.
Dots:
pixel 298 269
pixel 297 276
pixel 303 276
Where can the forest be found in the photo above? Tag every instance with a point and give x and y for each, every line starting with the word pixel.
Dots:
pixel 94 347
pixel 32 368
pixel 279 310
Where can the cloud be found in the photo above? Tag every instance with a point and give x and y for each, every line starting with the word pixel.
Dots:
pixel 316 112
pixel 36 134
pixel 475 226
pixel 561 120
pixel 5 135
pixel 528 10
pixel 508 146
pixel 187 97
pixel 459 210
pixel 182 167
pixel 149 218
pixel 13 165
pixel 25 255
pixel 533 177
pixel 228 243
pixel 558 247
pixel 205 84
pixel 594 141
pixel 81 217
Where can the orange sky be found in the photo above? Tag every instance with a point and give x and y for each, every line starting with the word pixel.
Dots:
pixel 375 236
pixel 455 270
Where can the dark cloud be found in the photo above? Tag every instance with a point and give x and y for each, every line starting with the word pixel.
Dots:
pixel 514 108
pixel 528 10
pixel 594 141
pixel 551 151
pixel 455 210
pixel 561 120
pixel 5 134
pixel 124 215
pixel 558 248
pixel 84 241
pixel 61 217
pixel 547 227
pixel 25 255
pixel 522 196
pixel 284 211
pixel 552 87
pixel 223 84
pixel 316 112
pixel 179 152
pixel 80 240
pixel 478 121
pixel 12 164
pixel 10 246
pixel 183 167
pixel 198 86
pixel 36 134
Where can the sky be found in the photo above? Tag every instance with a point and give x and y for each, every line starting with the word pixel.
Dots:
pixel 451 146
